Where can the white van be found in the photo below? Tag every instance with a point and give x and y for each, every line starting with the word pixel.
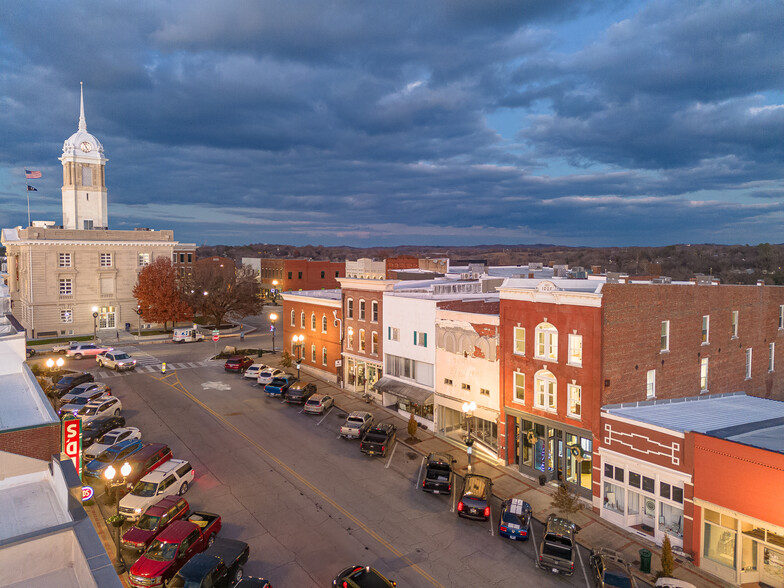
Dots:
pixel 187 334
pixel 171 477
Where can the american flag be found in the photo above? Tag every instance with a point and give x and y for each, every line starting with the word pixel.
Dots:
pixel 32 175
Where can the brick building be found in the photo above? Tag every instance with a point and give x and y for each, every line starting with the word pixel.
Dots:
pixel 401 262
pixel 284 275
pixel 316 315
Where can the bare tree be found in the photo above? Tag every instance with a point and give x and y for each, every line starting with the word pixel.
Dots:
pixel 218 293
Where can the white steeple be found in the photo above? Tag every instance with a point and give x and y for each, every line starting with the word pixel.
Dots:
pixel 82 121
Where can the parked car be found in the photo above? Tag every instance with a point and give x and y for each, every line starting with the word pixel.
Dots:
pixel 84 393
pixel 109 439
pixel 69 381
pixel 279 384
pixel 252 373
pixel 218 566
pixel 29 351
pixel 610 569
pixel 86 350
pixel 299 392
pixel 98 427
pixel 154 520
pixel 93 470
pixel 556 551
pixel 237 363
pixel 360 577
pixel 61 348
pixel 188 334
pixel 144 461
pixel 318 403
pixel 514 521
pixel 438 474
pixel 105 406
pixel 378 439
pixel 167 479
pixel 266 376
pixel 356 424
pixel 475 502
pixel 116 360
pixel 172 549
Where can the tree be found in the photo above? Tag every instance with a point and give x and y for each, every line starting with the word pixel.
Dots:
pixel 566 502
pixel 413 425
pixel 158 294
pixel 286 360
pixel 219 293
pixel 667 561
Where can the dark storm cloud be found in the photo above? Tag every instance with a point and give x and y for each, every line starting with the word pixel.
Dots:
pixel 364 123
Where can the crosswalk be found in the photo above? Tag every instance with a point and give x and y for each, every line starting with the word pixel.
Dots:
pixel 146 363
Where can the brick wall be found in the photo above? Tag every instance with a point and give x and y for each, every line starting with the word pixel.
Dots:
pixel 38 442
pixel 357 324
pixel 330 339
pixel 631 325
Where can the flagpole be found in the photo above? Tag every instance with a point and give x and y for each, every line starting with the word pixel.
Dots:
pixel 28 207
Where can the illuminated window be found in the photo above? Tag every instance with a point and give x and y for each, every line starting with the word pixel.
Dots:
pixel 575 400
pixel 705 328
pixel 576 350
pixel 734 319
pixel 545 387
pixel 374 343
pixel 519 387
pixel 362 339
pixel 748 363
pixel 546 342
pixel 664 344
pixel 704 374
pixel 519 341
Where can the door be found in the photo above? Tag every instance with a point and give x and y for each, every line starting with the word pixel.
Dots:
pixel 649 512
pixel 554 453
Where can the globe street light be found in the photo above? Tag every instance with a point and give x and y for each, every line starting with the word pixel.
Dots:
pixel 273 317
pixel 468 411
pixel 95 322
pixel 298 343
pixel 274 291
pixel 110 473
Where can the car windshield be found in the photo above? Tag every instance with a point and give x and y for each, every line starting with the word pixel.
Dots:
pixel 107 457
pixel 277 381
pixel 121 356
pixel 88 410
pixel 145 489
pixel 66 380
pixel 80 400
pixel 161 551
pixel 148 523
pixel 354 421
pixel 475 487
pixel 368 579
pixel 513 519
pixel 312 402
pixel 109 439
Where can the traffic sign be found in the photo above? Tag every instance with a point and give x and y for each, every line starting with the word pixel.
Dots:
pixel 215 336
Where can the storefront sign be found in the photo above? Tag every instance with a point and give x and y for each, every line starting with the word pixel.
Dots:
pixel 71 442
pixel 338 362
pixel 87 493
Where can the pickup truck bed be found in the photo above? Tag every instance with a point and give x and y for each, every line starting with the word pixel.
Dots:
pixel 219 566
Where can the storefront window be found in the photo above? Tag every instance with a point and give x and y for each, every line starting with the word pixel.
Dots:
pixel 773 564
pixel 586 465
pixel 572 465
pixel 775 539
pixel 528 447
pixel 614 498
pixel 670 519
pixel 539 448
pixel 634 503
pixel 719 540
pixel 426 411
pixel 749 555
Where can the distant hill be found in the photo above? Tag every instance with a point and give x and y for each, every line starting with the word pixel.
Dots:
pixel 732 264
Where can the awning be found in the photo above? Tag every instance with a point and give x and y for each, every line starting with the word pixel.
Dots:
pixel 415 394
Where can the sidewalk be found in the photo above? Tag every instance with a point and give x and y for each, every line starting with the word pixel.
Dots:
pixel 593 532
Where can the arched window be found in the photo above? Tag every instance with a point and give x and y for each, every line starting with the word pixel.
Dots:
pixel 293 319
pixel 545 390
pixel 374 343
pixel 362 310
pixel 449 343
pixel 323 356
pixel 374 311
pixel 350 308
pixel 302 319
pixel 312 321
pixel 546 342
pixel 324 323
pixel 313 353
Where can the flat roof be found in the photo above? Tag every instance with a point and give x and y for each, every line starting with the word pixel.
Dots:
pixel 333 294
pixel 23 404
pixel 589 284
pixel 29 503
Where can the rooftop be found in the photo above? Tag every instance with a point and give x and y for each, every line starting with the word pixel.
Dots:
pixel 324 294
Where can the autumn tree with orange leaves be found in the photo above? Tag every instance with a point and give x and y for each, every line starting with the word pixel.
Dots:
pixel 158 294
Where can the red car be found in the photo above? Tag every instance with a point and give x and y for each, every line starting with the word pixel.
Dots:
pixel 154 520
pixel 238 363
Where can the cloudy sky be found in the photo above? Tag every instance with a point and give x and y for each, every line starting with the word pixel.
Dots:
pixel 407 122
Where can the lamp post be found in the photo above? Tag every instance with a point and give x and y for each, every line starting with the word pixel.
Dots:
pixel 274 291
pixel 138 311
pixel 468 411
pixel 273 317
pixel 298 343
pixel 110 473
pixel 95 323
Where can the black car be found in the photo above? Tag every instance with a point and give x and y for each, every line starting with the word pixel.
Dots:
pixel 610 569
pixel 438 474
pixel 299 392
pixel 361 577
pixel 378 439
pixel 96 428
pixel 219 566
pixel 70 381
pixel 475 503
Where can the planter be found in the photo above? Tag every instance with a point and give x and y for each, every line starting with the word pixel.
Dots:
pixel 542 479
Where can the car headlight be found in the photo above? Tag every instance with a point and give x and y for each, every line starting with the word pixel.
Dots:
pixel 137 510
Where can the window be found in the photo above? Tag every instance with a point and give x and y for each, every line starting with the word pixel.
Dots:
pixel 393 334
pixel 664 345
pixel 650 384
pixel 447 381
pixel 719 537
pixel 704 374
pixel 374 311
pixel 66 287
pixel 634 479
pixel 374 343
pixel 323 356
pixel 734 322
pixel 87 176
pixel 66 315
pixel 664 490
pixel 420 339
pixel 182 257
pixel 781 316
pixel 289 275
pixel 575 400
pixel 350 338
pixel 322 275
pixel 88 223
pixel 519 341
pixel 576 350
pixel 106 260
pixel 324 323
pixel 545 387
pixel 546 342
pixel 362 310
pixel 705 328
pixel 302 319
pixel 771 356
pixel 614 498
pixel 620 474
pixel 519 387
pixel 484 392
pixel 144 259
pixel 299 275
pixel 313 353
pixel 648 484
pixel 466 387
pixel 64 259
pixel 350 308
pixel 190 258
pixel 312 321
pixel 362 339
pixel 748 363
pixel 293 319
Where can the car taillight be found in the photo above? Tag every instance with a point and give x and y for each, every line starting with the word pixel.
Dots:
pixel 571 567
pixel 383 448
pixel 423 483
pixel 487 511
pixel 460 506
pixel 450 487
pixel 541 558
pixel 502 529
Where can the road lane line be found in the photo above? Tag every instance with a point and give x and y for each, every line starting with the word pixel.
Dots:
pixel 419 473
pixel 391 455
pixel 325 416
pixel 181 388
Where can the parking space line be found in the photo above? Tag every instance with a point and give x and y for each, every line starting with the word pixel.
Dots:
pixel 582 566
pixel 419 473
pixel 391 455
pixel 325 416
pixel 490 518
pixel 531 531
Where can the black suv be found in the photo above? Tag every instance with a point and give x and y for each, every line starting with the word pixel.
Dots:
pixel 610 569
pixel 299 392
pixel 475 503
pixel 70 381
pixel 97 427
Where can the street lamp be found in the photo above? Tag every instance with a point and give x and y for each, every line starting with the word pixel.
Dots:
pixel 468 411
pixel 274 290
pixel 95 322
pixel 273 317
pixel 298 343
pixel 138 311
pixel 119 565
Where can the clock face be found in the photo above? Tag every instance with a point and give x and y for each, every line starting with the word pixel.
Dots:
pixel 86 147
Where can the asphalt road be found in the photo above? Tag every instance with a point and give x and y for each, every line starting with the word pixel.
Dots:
pixel 308 502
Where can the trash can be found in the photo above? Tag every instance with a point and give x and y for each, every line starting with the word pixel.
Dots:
pixel 128 327
pixel 645 561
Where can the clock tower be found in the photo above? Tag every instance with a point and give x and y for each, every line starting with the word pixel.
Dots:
pixel 84 179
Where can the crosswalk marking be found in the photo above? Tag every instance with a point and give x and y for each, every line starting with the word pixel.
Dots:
pixel 146 363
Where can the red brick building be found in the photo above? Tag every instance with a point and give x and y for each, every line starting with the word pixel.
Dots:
pixel 400 262
pixel 284 275
pixel 316 315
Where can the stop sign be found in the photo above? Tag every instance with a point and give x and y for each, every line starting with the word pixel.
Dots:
pixel 215 337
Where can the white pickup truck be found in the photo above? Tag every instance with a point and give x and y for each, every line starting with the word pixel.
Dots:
pixel 116 360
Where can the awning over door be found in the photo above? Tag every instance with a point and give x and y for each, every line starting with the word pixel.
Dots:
pixel 414 394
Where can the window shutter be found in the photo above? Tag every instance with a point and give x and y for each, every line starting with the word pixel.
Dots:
pixel 424 339
pixel 415 334
pixel 389 333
